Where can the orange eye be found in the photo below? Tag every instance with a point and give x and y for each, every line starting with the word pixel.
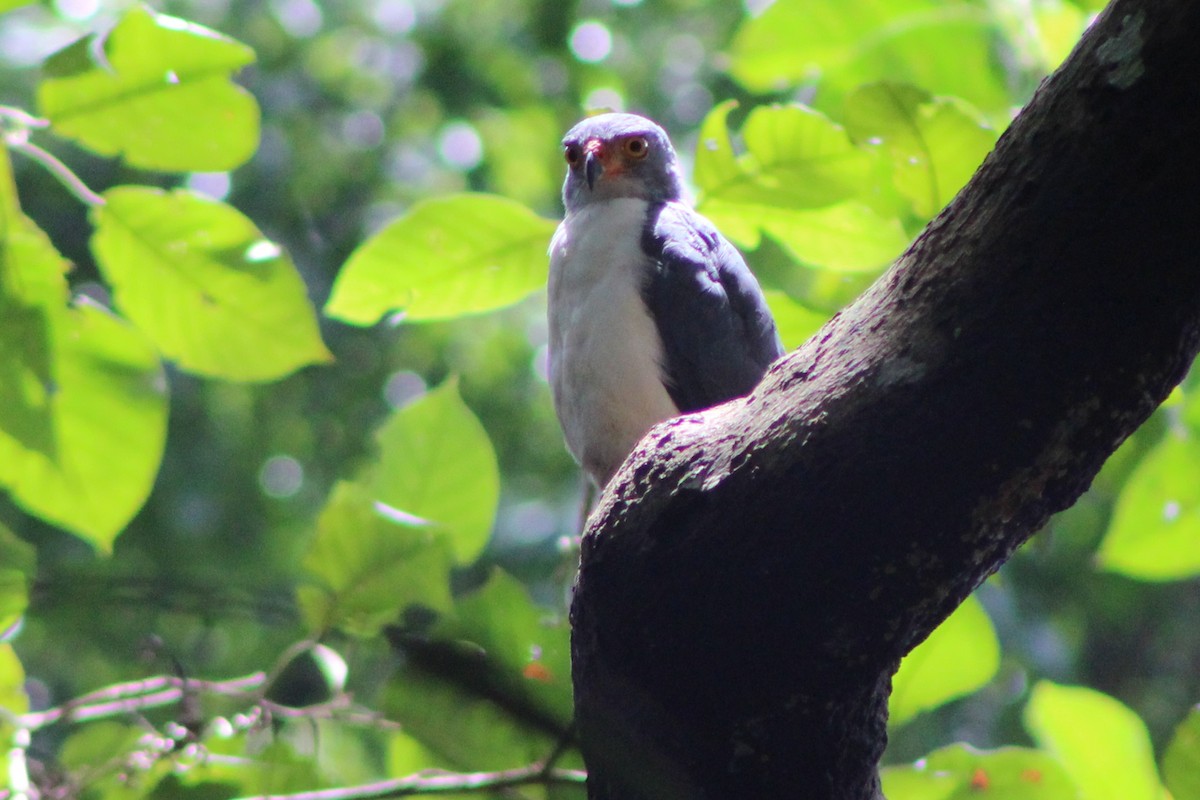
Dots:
pixel 636 147
pixel 573 153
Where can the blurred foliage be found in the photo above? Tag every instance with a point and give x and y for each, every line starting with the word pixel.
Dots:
pixel 203 477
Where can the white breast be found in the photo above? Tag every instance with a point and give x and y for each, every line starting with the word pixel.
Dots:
pixel 605 352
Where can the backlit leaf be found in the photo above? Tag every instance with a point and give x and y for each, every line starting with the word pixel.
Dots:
pixel 446 258
pixel 155 90
pixel 367 565
pixel 959 772
pixel 1101 743
pixel 946 47
pixel 205 285
pixel 1181 762
pixel 437 463
pixel 959 657
pixel 934 144
pixel 1155 528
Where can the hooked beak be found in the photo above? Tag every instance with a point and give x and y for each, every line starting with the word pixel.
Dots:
pixel 592 163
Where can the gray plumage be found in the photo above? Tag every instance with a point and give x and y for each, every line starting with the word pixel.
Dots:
pixel 652 312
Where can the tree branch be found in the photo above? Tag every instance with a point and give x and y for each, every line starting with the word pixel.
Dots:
pixel 441 783
pixel 754 573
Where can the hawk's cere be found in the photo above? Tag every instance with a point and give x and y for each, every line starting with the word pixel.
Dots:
pixel 653 313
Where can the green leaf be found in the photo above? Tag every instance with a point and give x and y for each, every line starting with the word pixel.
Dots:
pixel 367 565
pixel 795 158
pixel 1155 528
pixel 201 280
pixel 523 640
pixel 109 409
pixel 1058 27
pixel 716 163
pixel 493 687
pixel 959 772
pixel 82 397
pixel 84 419
pixel 946 47
pixel 796 182
pixel 934 144
pixel 33 293
pixel 448 257
pixel 12 682
pixel 157 91
pixel 1181 762
pixel 845 237
pixel 959 657
pixel 437 463
pixel 1102 744
pixel 18 565
pixel 796 323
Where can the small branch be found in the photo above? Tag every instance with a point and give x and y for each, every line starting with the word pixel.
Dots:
pixel 439 783
pixel 134 696
pixel 18 140
pixel 13 118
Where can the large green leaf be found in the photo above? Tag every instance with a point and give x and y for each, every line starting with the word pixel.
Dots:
pixel 1102 744
pixel 845 237
pixel 959 772
pixel 960 656
pixel 205 285
pixel 109 415
pixel 794 157
pixel 1181 762
pixel 447 257
pixel 83 411
pixel 157 91
pixel 33 294
pixel 437 463
pixel 18 565
pixel 797 182
pixel 946 47
pixel 367 565
pixel 1155 528
pixel 934 144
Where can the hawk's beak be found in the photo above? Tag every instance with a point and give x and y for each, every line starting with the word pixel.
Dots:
pixel 592 168
pixel 592 163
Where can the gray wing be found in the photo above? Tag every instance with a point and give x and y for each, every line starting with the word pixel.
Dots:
pixel 717 334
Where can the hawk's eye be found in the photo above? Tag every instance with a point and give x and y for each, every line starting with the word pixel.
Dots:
pixel 573 154
pixel 636 147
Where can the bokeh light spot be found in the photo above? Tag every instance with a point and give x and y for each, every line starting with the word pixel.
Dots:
pixel 210 184
pixel 300 18
pixel 281 476
pixel 604 99
pixel 591 41
pixel 403 387
pixel 394 16
pixel 459 146
pixel 77 10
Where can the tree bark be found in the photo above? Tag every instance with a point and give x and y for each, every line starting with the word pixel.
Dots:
pixel 754 573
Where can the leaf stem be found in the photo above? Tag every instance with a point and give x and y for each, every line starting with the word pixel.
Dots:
pixel 433 782
pixel 58 169
pixel 17 125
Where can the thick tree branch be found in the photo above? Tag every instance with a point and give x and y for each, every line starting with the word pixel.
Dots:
pixel 754 573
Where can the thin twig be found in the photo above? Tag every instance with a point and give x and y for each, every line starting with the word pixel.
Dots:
pixel 19 140
pixel 427 783
pixel 135 695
